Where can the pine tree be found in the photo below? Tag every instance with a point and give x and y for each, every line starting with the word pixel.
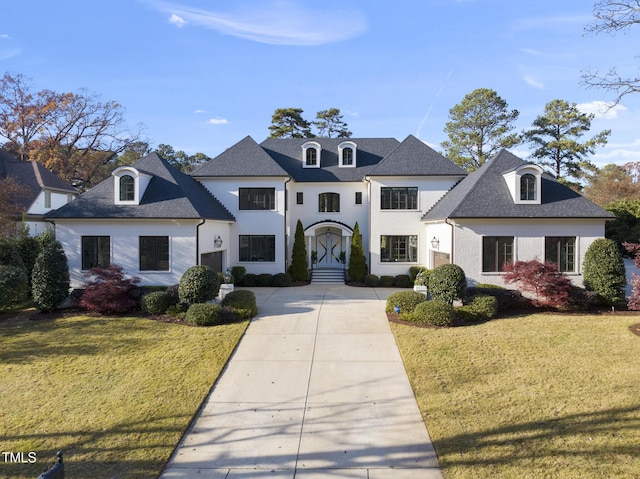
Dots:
pixel 357 260
pixel 299 267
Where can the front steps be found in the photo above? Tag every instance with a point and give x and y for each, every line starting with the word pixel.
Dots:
pixel 327 276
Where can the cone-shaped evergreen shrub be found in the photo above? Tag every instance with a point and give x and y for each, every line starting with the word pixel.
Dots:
pixel 299 267
pixel 14 288
pixel 50 277
pixel 604 272
pixel 357 261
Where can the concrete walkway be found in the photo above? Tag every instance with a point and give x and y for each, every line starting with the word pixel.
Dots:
pixel 315 389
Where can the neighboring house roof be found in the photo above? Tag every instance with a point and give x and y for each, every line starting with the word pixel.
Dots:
pixel 170 194
pixel 32 176
pixel 485 194
pixel 283 157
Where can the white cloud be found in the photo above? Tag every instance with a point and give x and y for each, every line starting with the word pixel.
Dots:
pixel 5 36
pixel 533 82
pixel 198 111
pixel 601 109
pixel 218 121
pixel 177 21
pixel 277 22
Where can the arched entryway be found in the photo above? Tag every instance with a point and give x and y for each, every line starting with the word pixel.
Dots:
pixel 330 240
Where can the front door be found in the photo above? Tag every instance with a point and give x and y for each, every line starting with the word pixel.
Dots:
pixel 329 247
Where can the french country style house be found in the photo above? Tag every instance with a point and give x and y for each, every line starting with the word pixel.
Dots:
pixel 412 206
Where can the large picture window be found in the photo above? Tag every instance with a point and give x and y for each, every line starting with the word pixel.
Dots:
pixel 399 248
pixel 96 252
pixel 257 198
pixel 328 203
pixel 496 252
pixel 561 251
pixel 399 198
pixel 154 253
pixel 257 248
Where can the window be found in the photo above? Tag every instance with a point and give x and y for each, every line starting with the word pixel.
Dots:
pixel 399 248
pixel 257 198
pixel 47 199
pixel 257 248
pixel 561 251
pixel 311 157
pixel 299 198
pixel 358 197
pixel 328 203
pixel 528 187
pixel 96 252
pixel 403 198
pixel 127 188
pixel 154 253
pixel 496 251
pixel 347 156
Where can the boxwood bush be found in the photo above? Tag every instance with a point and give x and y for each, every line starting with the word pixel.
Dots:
pixel 448 283
pixel 604 271
pixel 14 286
pixel 433 312
pixel 484 305
pixel 238 273
pixel 372 280
pixel 204 314
pixel 264 280
pixel 250 280
pixel 386 281
pixel 406 300
pixel 156 302
pixel 242 302
pixel 402 281
pixel 281 280
pixel 198 284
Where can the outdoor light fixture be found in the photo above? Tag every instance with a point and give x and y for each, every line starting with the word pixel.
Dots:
pixel 218 242
pixel 435 242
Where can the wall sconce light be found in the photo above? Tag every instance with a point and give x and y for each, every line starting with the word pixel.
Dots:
pixel 218 242
pixel 435 242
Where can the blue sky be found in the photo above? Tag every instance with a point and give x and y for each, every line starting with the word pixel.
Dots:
pixel 201 75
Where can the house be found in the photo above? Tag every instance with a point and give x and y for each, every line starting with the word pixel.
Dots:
pixel 412 206
pixel 43 191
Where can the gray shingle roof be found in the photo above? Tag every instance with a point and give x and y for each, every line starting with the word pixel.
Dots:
pixel 170 194
pixel 485 194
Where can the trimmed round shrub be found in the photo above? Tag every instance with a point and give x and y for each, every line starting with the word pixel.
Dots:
pixel 173 293
pixel 467 314
pixel 281 280
pixel 448 283
pixel 484 306
pixel 203 314
pixel 406 300
pixel 14 286
pixel 250 280
pixel 372 280
pixel 50 278
pixel 402 281
pixel 386 281
pixel 198 285
pixel 434 313
pixel 242 302
pixel 238 273
pixel 264 280
pixel 422 278
pixel 156 302
pixel 604 271
pixel 413 272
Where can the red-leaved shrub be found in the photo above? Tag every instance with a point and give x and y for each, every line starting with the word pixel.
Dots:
pixel 550 286
pixel 633 301
pixel 108 291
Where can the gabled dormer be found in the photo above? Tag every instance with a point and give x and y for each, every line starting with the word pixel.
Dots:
pixel 525 184
pixel 347 154
pixel 129 185
pixel 311 151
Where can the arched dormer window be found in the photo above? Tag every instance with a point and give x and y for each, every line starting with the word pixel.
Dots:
pixel 311 154
pixel 127 188
pixel 528 190
pixel 347 154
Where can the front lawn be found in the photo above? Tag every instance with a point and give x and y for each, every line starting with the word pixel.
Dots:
pixel 115 394
pixel 537 396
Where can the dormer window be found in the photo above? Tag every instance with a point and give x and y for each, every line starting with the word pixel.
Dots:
pixel 127 188
pixel 347 154
pixel 129 185
pixel 311 154
pixel 525 184
pixel 528 190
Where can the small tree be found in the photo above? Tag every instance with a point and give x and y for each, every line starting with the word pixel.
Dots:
pixel 50 278
pixel 357 260
pixel 299 268
pixel 330 124
pixel 108 292
pixel 448 283
pixel 604 272
pixel 198 284
pixel 633 301
pixel 288 123
pixel 550 286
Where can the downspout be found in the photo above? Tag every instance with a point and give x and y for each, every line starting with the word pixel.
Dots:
pixel 446 220
pixel 202 221
pixel 368 181
pixel 287 200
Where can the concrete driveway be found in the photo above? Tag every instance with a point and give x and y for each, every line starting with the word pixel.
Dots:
pixel 316 388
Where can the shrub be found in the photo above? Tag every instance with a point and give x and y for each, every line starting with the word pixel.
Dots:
pixel 402 281
pixel 250 280
pixel 357 261
pixel 508 299
pixel 198 285
pixel 549 286
pixel 204 314
pixel 604 272
pixel 238 273
pixel 386 281
pixel 466 314
pixel 10 254
pixel 50 278
pixel 156 302
pixel 109 291
pixel 413 272
pixel 484 306
pixel 14 286
pixel 242 302
pixel 177 311
pixel 281 280
pixel 422 278
pixel 433 312
pixel 173 293
pixel 29 249
pixel 372 280
pixel 264 280
pixel 299 267
pixel 448 283
pixel 406 300
pixel 487 286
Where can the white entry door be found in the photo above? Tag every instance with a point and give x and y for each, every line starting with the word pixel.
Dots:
pixel 329 247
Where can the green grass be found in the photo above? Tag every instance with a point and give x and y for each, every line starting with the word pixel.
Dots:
pixel 540 396
pixel 115 394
